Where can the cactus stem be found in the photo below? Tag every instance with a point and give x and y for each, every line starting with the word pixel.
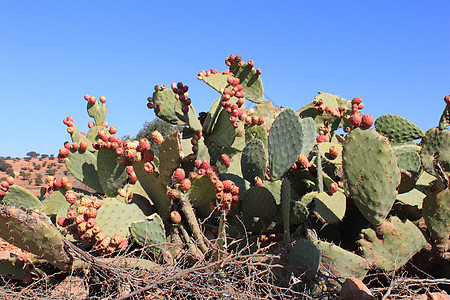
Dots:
pixel 189 213
pixel 286 203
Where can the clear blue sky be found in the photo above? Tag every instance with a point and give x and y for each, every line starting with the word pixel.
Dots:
pixel 394 54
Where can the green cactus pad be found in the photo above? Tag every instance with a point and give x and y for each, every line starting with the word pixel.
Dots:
pixel 256 132
pixel 298 213
pixel 21 198
pixel 115 217
pixel 202 192
pixel 253 161
pixel 34 233
pixel 289 137
pixel 275 188
pixel 56 205
pixel 170 155
pixel 268 110
pixel 328 100
pixel 170 107
pixel 324 148
pixel 154 189
pixel 409 161
pixel 112 175
pixel 223 133
pixel 340 262
pixel 305 256
pixel 435 145
pixel 11 267
pixel 251 82
pixel 445 118
pixel 217 81
pixel 97 112
pixel 436 212
pixel 92 135
pixel 398 129
pixel 371 173
pixel 149 231
pixel 330 207
pixel 83 166
pixel 259 202
pixel 398 243
pixel 77 137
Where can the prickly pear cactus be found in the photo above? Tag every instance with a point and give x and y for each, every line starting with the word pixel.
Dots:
pixel 391 244
pixel 398 129
pixel 371 173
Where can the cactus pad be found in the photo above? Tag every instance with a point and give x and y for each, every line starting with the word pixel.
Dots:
pixel 259 202
pixel 251 82
pixel 34 233
pixel 371 173
pixel 398 129
pixel 289 137
pixel 253 160
pixel 149 231
pixel 21 198
pixel 305 256
pixel 436 212
pixel 340 262
pixel 331 208
pixel 435 145
pixel 392 244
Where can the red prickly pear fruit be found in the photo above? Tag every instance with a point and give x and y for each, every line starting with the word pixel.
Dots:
pixel 90 223
pixel 148 167
pixel 178 175
pixel 356 100
pixel 367 121
pixel 70 130
pixel 2 192
pixel 63 222
pixel 355 120
pixel 173 194
pixel 240 101
pixel 303 161
pixel 71 214
pixel 185 109
pixel 198 163
pixel 205 165
pixel 230 80
pixel 91 124
pixel 133 178
pixel 175 217
pixel 361 106
pixel 193 176
pixel 150 105
pixel 235 124
pixel 144 145
pixel 10 180
pixel 113 130
pixel 148 155
pixel 157 137
pixel 251 63
pixel 64 181
pixel 97 203
pixel 85 201
pixel 185 185
pixel 119 151
pixel 258 71
pixel 232 119
pixel 199 134
pixel 82 210
pixel 57 183
pixel 227 185
pixel 201 172
pixel 116 240
pixel 447 99
pixel 105 124
pixel 158 106
pixel 86 97
pixel 92 212
pixel 322 138
pixel 92 99
pixel 180 85
pixel 333 152
pixel 75 146
pixel 67 145
pixel 4 184
pixel 225 160
pixel 102 99
pixel 333 188
pixel 83 146
pixel 96 229
pixel 64 151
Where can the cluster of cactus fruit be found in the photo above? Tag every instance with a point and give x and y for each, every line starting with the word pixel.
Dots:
pixel 274 174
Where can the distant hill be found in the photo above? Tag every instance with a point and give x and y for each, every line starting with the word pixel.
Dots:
pixel 31 172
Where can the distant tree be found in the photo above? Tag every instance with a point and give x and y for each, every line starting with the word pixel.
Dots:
pixel 33 154
pixel 162 126
pixel 50 172
pixel 4 166
pixel 44 155
pixel 38 179
pixel 52 157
